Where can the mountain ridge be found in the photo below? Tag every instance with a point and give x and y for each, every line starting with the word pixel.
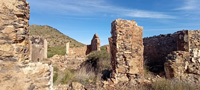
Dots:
pixel 56 39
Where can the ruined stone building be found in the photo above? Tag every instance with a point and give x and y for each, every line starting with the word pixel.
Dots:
pixel 177 54
pixel 85 50
pixel 16 73
pixel 95 44
pixel 38 48
pixel 126 45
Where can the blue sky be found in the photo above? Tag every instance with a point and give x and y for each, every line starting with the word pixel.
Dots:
pixel 81 19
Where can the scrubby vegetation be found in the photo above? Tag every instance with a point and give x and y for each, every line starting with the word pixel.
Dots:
pixel 55 74
pixel 96 68
pixel 56 50
pixel 164 84
pixel 68 77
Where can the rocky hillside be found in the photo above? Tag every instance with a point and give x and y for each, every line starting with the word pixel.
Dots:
pixel 56 39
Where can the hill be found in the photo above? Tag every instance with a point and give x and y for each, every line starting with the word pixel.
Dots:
pixel 56 39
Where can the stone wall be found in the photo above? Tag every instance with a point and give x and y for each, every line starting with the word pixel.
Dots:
pixel 184 64
pixel 126 45
pixel 85 50
pixel 95 43
pixel 80 51
pixel 38 47
pixel 156 48
pixel 14 43
pixel 16 73
pixel 32 76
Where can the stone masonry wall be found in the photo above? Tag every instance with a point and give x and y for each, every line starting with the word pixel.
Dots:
pixel 80 51
pixel 32 76
pixel 126 45
pixel 184 64
pixel 38 49
pixel 95 43
pixel 14 16
pixel 16 73
pixel 157 48
pixel 83 51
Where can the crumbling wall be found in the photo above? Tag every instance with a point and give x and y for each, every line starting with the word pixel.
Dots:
pixel 126 45
pixel 14 46
pixel 184 64
pixel 85 50
pixel 32 76
pixel 14 43
pixel 80 51
pixel 38 48
pixel 156 48
pixel 95 44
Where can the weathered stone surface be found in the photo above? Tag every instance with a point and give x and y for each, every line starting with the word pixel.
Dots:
pixel 32 76
pixel 95 44
pixel 184 64
pixel 67 62
pixel 126 46
pixel 38 48
pixel 14 16
pixel 156 48
pixel 108 49
pixel 79 52
pixel 67 48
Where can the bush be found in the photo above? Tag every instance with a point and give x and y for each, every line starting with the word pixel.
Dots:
pixel 164 84
pixel 68 77
pixel 98 63
pixel 55 77
pixel 99 60
pixel 55 69
pixel 84 76
pixel 56 50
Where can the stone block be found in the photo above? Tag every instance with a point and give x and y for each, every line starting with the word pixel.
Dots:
pixel 126 46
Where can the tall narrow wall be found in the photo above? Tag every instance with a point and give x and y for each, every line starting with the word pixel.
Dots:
pixel 126 45
pixel 14 16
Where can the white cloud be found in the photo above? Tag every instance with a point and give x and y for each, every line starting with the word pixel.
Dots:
pixel 92 7
pixel 190 5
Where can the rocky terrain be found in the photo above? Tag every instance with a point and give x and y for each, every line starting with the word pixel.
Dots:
pixel 129 62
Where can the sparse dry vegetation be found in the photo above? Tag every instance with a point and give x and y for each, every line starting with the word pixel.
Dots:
pixel 165 84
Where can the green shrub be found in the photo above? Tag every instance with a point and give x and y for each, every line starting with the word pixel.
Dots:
pixel 55 77
pixel 56 50
pixel 55 69
pixel 68 77
pixel 100 60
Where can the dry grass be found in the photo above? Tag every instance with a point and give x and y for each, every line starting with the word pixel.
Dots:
pixel 165 84
pixel 84 76
pixel 68 77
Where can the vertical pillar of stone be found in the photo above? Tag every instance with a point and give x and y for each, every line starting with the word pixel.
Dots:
pixel 126 46
pixel 45 48
pixel 14 23
pixel 67 48
pixel 95 43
